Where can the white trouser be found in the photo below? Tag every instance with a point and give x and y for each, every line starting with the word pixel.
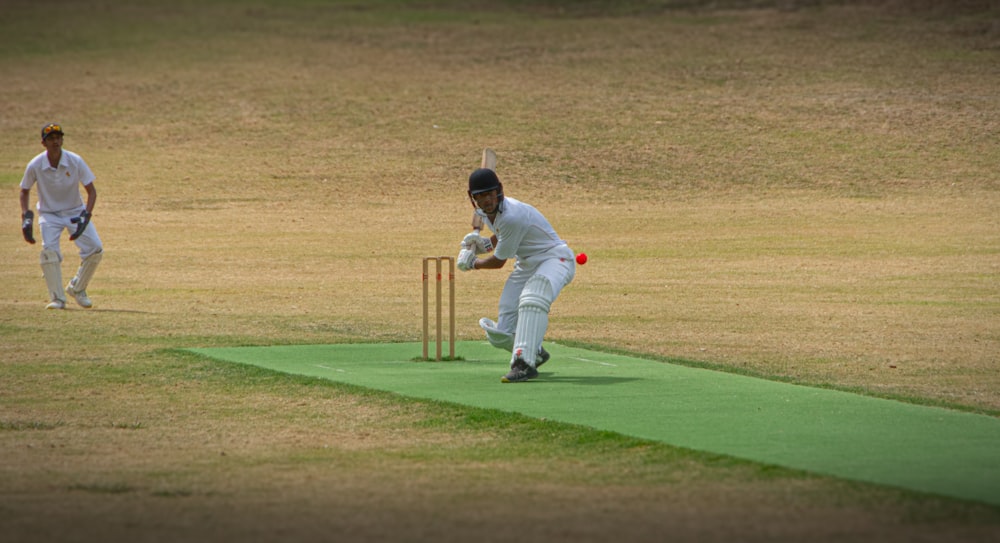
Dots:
pixel 557 266
pixel 51 225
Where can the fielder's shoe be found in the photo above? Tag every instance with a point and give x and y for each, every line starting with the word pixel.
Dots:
pixel 56 304
pixel 543 357
pixel 80 296
pixel 519 372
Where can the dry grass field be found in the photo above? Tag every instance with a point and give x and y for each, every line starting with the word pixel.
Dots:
pixel 803 191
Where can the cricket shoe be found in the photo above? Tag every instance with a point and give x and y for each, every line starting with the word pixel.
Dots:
pixel 520 371
pixel 56 304
pixel 79 295
pixel 543 357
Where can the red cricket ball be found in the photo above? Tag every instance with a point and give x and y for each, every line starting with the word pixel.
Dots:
pixel 581 258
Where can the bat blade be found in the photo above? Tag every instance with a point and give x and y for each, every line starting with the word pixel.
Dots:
pixel 489 159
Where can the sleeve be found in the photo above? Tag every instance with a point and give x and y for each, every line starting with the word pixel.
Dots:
pixel 29 178
pixel 86 176
pixel 509 238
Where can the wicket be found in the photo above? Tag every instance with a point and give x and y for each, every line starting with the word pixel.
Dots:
pixel 438 260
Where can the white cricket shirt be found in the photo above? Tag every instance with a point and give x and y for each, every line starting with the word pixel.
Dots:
pixel 58 188
pixel 523 232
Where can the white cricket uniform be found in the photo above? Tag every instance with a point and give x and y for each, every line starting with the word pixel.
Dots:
pixel 525 234
pixel 59 199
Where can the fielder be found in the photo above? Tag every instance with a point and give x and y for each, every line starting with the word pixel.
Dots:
pixel 543 267
pixel 58 172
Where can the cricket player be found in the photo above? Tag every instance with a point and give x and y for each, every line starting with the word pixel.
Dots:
pixel 544 265
pixel 59 174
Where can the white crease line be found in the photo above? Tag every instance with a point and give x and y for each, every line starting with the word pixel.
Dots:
pixel 594 361
pixel 329 368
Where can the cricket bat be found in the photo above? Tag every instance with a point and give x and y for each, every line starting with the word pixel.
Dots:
pixel 489 161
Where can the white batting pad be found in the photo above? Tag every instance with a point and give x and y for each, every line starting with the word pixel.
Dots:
pixel 497 337
pixel 532 318
pixel 86 271
pixel 52 271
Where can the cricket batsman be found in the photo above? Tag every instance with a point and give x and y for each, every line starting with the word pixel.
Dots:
pixel 544 265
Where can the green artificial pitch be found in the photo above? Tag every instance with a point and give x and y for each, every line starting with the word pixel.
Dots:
pixel 928 449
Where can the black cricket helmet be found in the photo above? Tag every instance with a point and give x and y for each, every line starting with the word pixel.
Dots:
pixel 485 180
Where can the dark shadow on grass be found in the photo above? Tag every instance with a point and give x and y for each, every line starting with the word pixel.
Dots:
pixel 583 379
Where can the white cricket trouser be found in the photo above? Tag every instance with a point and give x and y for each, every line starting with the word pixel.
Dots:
pixel 557 265
pixel 51 226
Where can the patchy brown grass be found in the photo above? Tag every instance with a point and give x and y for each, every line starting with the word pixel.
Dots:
pixel 807 194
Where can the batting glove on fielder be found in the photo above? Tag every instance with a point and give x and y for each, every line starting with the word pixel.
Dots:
pixel 81 223
pixel 479 244
pixel 26 226
pixel 466 260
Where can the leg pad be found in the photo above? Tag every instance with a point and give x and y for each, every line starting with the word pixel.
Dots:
pixel 51 262
pixel 86 272
pixel 497 337
pixel 532 319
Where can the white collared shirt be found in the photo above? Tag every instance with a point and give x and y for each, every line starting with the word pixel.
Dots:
pixel 58 188
pixel 522 231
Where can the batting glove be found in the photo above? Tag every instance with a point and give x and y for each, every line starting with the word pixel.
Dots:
pixel 27 220
pixel 466 260
pixel 479 244
pixel 81 223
